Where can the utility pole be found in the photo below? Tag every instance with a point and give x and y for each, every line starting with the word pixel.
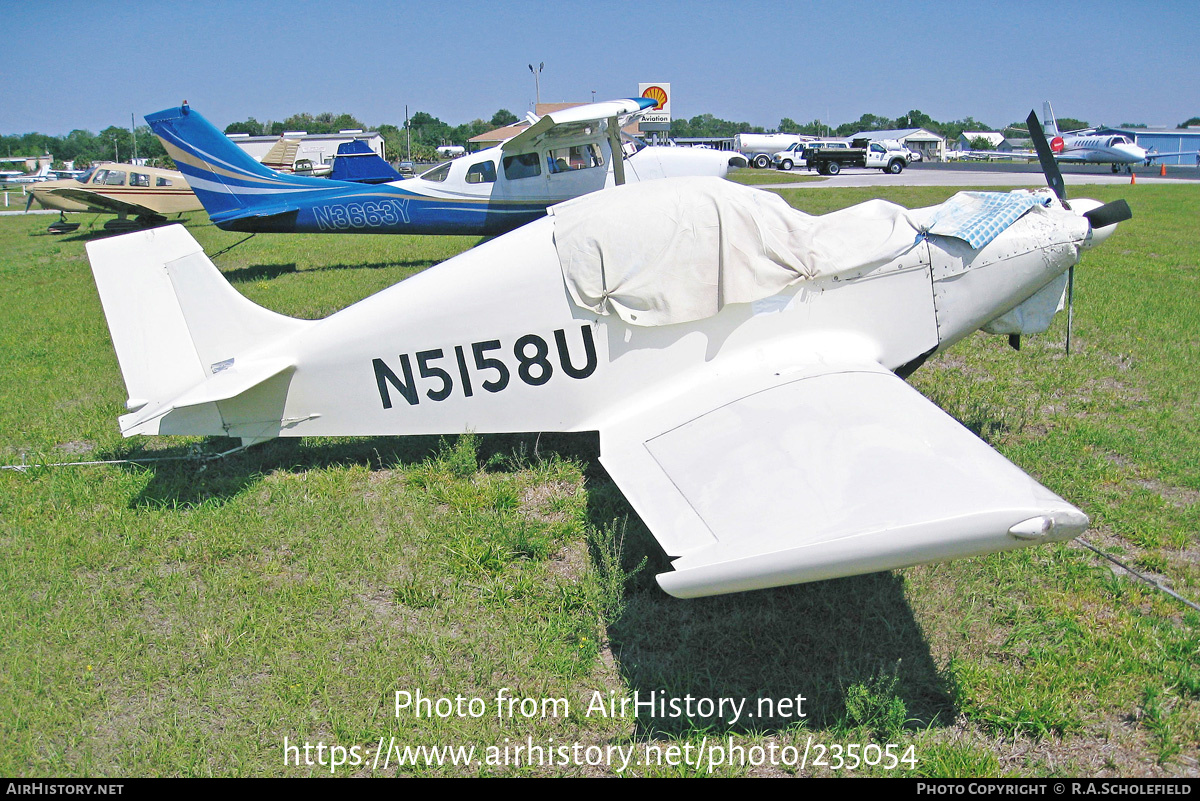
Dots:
pixel 537 85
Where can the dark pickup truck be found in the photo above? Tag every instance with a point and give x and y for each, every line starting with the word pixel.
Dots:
pixel 884 155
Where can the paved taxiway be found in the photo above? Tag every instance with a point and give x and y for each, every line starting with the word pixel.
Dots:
pixel 991 175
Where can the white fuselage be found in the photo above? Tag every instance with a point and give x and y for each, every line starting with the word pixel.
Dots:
pixel 1098 149
pixel 490 341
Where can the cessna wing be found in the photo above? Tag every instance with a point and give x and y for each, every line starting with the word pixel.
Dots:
pixel 103 203
pixel 573 120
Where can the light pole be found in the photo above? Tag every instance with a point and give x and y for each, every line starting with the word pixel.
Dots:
pixel 537 86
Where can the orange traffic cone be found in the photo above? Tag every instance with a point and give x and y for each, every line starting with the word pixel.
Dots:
pixel 1132 178
pixel 1163 171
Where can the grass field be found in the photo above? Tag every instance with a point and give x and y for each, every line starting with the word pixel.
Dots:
pixel 182 619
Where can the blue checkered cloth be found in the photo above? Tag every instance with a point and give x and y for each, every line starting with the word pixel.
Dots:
pixel 979 217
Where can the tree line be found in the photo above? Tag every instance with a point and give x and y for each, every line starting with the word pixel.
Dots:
pixel 706 125
pixel 428 133
pixel 84 147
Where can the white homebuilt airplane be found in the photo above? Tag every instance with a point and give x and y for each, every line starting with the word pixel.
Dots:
pixel 559 156
pixel 742 361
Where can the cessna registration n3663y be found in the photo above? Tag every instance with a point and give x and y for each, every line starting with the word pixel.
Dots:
pixel 741 360
pixel 560 156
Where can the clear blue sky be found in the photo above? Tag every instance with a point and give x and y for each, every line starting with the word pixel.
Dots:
pixel 87 64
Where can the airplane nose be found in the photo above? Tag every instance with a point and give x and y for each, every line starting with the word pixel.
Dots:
pixel 1135 153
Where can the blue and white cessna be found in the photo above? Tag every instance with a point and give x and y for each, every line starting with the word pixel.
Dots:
pixel 559 156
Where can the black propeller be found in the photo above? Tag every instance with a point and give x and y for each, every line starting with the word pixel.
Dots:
pixel 1046 157
pixel 29 202
pixel 1108 214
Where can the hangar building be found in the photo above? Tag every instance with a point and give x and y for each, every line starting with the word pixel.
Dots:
pixel 320 148
pixel 931 146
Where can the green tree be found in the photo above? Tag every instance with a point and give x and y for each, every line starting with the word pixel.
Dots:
pixel 250 126
pixel 428 130
pixel 915 119
pixel 1071 124
pixel 1189 123
pixel 503 117
pixel 982 143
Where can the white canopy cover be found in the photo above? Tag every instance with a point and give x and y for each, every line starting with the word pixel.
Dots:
pixel 674 251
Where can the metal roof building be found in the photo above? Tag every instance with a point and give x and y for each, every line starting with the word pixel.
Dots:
pixel 931 146
pixel 320 148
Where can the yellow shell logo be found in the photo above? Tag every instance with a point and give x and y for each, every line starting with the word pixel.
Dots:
pixel 658 95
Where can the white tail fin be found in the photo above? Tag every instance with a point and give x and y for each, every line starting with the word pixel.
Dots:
pixel 184 337
pixel 1049 124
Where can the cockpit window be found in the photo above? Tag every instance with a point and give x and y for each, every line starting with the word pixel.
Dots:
pixel 1118 140
pixel 482 173
pixel 524 165
pixel 87 176
pixel 114 178
pixel 438 174
pixel 578 157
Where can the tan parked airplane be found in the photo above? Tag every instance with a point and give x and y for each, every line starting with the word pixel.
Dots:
pixel 147 194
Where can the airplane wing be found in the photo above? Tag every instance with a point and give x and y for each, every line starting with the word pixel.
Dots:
pixel 996 155
pixel 577 116
pixel 826 471
pixel 1156 155
pixel 101 202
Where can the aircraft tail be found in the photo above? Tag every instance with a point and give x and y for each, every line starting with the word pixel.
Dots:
pixel 1049 124
pixel 356 161
pixel 227 180
pixel 186 340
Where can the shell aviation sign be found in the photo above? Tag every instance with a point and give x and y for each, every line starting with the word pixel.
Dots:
pixel 660 93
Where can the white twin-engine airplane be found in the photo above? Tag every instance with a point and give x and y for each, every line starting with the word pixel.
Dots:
pixel 742 361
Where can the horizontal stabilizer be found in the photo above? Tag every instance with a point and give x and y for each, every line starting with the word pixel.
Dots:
pixel 834 472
